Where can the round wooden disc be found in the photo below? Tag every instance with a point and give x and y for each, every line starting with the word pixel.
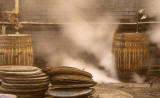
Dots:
pixel 19 68
pixel 7 96
pixel 31 91
pixel 66 78
pixel 66 70
pixel 40 74
pixel 5 73
pixel 73 86
pixel 30 96
pixel 25 86
pixel 25 79
pixel 70 92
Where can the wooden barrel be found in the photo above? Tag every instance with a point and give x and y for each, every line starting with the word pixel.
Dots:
pixel 131 52
pixel 16 49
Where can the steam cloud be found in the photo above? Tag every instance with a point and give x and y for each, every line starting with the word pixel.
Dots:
pixel 138 79
pixel 86 42
pixel 153 10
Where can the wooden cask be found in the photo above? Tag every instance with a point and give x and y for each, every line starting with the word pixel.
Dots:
pixel 16 49
pixel 131 51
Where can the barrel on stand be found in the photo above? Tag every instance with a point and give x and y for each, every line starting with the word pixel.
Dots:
pixel 16 49
pixel 131 52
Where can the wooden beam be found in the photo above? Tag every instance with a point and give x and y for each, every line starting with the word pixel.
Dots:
pixel 52 23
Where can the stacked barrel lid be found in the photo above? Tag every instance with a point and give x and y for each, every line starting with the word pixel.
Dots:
pixel 23 81
pixel 7 96
pixel 70 82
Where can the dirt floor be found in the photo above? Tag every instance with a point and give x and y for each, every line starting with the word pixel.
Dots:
pixel 135 90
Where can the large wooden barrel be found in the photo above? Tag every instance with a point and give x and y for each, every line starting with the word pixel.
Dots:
pixel 16 49
pixel 131 52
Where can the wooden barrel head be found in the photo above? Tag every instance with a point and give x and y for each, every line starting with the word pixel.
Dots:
pixel 25 82
pixel 26 79
pixel 25 86
pixel 19 68
pixel 65 93
pixel 7 96
pixel 20 74
pixel 69 79
pixel 73 86
pixel 53 70
pixel 20 91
